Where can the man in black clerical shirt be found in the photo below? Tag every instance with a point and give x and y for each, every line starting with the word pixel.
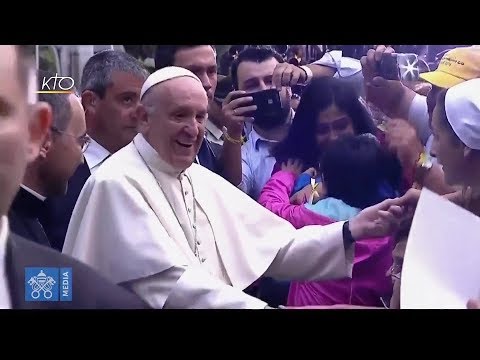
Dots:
pixel 60 155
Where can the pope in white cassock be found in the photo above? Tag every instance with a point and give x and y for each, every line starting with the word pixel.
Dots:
pixel 179 235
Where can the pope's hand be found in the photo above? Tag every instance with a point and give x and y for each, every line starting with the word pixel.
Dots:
pixel 377 221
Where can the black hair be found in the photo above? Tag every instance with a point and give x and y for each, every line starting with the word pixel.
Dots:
pixel 235 48
pixel 358 171
pixel 97 73
pixel 444 119
pixel 165 54
pixel 318 96
pixel 59 103
pixel 253 54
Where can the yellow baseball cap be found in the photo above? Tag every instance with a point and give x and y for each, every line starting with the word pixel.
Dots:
pixel 456 66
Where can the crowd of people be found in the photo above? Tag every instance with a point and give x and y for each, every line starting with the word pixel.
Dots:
pixel 276 184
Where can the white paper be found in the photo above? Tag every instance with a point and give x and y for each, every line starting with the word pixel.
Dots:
pixel 441 268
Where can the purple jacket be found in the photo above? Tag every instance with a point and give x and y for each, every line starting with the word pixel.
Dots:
pixel 373 257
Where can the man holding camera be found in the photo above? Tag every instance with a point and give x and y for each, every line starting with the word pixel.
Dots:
pixel 250 166
pixel 259 69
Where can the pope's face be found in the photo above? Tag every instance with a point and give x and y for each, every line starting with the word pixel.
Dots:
pixel 176 126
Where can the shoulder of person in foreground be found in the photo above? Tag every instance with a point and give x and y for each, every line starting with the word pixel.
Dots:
pixel 89 289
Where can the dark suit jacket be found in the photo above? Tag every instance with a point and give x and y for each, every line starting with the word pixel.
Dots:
pixel 58 210
pixel 23 217
pixel 89 289
pixel 207 157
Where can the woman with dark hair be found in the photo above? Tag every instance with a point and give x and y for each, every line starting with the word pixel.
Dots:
pixel 356 173
pixel 329 108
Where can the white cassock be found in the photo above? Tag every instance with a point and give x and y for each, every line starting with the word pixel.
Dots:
pixel 135 222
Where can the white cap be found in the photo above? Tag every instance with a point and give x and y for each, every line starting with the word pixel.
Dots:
pixel 462 106
pixel 164 74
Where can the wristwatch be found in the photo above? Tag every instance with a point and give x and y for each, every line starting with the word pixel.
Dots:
pixel 347 235
pixel 422 167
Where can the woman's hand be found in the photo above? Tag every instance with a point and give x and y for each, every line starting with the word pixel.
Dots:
pixel 301 197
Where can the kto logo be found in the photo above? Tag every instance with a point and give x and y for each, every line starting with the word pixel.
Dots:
pixel 48 284
pixel 57 85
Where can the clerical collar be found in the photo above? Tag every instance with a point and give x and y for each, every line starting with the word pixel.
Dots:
pixel 33 192
pixel 152 158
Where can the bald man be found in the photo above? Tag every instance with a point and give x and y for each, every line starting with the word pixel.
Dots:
pixel 60 154
pixel 23 139
pixel 179 235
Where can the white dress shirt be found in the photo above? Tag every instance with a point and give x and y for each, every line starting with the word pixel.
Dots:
pixel 5 301
pixel 257 164
pixel 95 155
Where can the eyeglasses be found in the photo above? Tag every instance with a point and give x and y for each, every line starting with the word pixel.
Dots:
pixel 83 140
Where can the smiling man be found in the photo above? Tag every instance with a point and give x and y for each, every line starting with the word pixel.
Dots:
pixel 202 61
pixel 152 220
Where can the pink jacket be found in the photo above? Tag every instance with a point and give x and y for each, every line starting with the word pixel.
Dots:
pixel 373 257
